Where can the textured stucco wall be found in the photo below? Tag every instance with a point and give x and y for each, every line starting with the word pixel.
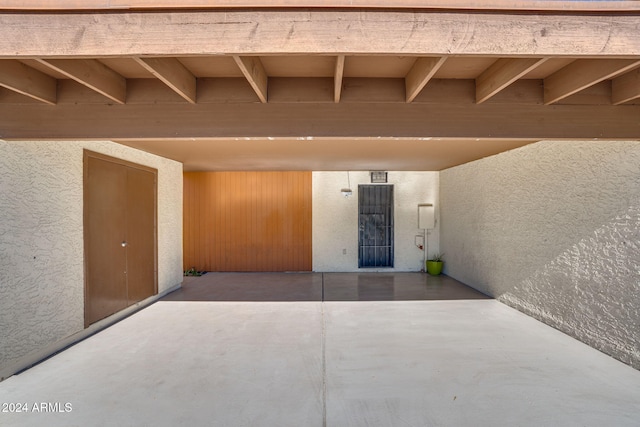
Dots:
pixel 335 219
pixel 552 229
pixel 41 239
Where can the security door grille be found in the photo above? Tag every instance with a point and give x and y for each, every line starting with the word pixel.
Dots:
pixel 375 223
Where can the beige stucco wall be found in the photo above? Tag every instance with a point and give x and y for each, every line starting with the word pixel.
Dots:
pixel 553 230
pixel 41 239
pixel 335 219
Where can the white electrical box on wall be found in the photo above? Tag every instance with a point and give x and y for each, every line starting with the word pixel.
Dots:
pixel 426 216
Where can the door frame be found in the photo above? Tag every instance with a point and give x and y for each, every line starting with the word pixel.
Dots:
pixel 85 191
pixel 392 225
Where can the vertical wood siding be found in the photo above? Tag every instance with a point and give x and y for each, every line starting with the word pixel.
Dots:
pixel 247 221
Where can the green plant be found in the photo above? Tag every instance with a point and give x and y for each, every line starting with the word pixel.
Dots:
pixel 437 257
pixel 192 272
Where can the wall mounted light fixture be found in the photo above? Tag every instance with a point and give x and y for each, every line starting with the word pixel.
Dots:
pixel 346 192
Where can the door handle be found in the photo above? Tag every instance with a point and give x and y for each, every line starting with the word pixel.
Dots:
pixel 124 244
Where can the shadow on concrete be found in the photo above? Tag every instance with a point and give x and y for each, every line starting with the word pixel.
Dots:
pixel 322 287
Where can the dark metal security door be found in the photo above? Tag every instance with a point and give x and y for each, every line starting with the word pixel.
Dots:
pixel 375 221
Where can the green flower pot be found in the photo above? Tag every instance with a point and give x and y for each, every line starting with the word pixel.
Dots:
pixel 434 267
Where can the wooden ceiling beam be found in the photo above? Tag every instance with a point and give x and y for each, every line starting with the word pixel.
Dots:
pixel 338 74
pixel 324 32
pixel 92 74
pixel 344 119
pixel 625 88
pixel 581 74
pixel 501 74
pixel 422 71
pixel 254 72
pixel 25 80
pixel 172 73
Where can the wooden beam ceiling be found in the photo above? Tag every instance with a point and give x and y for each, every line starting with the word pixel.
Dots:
pixel 420 74
pixel 291 73
pixel 626 88
pixel 582 74
pixel 501 74
pixel 19 78
pixel 92 74
pixel 255 74
pixel 565 83
pixel 172 73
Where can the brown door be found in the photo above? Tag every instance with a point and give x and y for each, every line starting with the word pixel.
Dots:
pixel 248 221
pixel 140 235
pixel 120 235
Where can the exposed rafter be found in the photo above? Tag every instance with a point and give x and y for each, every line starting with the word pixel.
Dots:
pixel 337 78
pixel 420 74
pixel 626 88
pixel 17 77
pixel 92 74
pixel 172 73
pixel 254 72
pixel 501 74
pixel 582 74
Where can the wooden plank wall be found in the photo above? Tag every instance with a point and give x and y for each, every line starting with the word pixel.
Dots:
pixel 247 221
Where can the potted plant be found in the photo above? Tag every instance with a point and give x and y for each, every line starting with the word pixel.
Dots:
pixel 434 264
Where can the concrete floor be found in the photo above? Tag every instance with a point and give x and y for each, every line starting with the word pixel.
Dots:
pixel 400 362
pixel 322 287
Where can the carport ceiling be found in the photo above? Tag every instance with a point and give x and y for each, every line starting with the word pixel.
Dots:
pixel 324 154
pixel 320 89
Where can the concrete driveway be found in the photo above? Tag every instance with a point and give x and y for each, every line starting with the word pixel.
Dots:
pixel 457 362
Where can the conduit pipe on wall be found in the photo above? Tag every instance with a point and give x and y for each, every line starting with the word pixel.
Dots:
pixel 426 221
